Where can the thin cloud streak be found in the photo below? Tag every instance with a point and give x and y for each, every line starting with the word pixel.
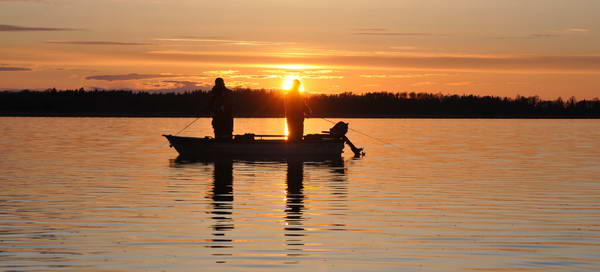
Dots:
pixel 374 76
pixel 555 34
pixel 133 76
pixel 177 86
pixel 533 36
pixel 372 29
pixel 578 30
pixel 13 69
pixel 376 31
pixel 14 28
pixel 460 83
pixel 222 41
pixel 96 43
pixel 402 76
pixel 273 74
pixel 394 33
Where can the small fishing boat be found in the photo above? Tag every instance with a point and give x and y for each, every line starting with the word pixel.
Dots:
pixel 329 144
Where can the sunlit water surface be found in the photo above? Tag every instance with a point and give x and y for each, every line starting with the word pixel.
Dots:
pixel 105 194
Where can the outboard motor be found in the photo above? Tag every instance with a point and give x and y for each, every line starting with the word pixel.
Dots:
pixel 339 130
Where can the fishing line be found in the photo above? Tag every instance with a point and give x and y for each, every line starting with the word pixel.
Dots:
pixel 187 126
pixel 360 132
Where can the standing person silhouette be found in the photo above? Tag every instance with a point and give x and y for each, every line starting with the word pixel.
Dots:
pixel 295 112
pixel 221 109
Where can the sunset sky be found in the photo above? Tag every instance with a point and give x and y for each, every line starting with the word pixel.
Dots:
pixel 548 48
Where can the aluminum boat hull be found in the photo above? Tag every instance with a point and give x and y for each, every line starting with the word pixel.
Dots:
pixel 193 147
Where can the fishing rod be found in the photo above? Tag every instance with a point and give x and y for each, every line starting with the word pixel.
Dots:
pixel 188 125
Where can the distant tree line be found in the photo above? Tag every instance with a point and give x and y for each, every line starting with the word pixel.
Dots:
pixel 266 103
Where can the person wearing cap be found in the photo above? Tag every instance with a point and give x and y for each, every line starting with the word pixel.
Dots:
pixel 221 109
pixel 296 110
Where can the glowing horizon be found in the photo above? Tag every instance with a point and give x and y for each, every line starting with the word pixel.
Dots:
pixel 548 49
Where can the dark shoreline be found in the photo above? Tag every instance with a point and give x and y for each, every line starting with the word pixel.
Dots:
pixel 269 104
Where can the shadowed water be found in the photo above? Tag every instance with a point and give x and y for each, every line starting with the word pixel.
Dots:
pixel 106 194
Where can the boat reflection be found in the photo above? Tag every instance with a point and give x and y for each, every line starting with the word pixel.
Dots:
pixel 294 231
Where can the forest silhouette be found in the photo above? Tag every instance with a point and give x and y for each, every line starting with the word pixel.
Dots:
pixel 269 103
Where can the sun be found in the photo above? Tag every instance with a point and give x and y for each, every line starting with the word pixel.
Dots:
pixel 288 82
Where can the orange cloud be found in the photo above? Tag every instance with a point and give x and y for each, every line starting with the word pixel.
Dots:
pixel 471 63
pixel 589 63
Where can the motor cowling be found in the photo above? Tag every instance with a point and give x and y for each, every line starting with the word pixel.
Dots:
pixel 339 130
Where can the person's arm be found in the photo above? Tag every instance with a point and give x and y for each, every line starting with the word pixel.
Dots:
pixel 211 103
pixel 307 110
pixel 228 105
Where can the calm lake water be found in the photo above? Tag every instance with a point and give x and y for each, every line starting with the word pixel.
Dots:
pixel 106 194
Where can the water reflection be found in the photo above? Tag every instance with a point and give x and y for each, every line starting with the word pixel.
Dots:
pixel 294 229
pixel 329 173
pixel 338 203
pixel 222 202
pixel 507 195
